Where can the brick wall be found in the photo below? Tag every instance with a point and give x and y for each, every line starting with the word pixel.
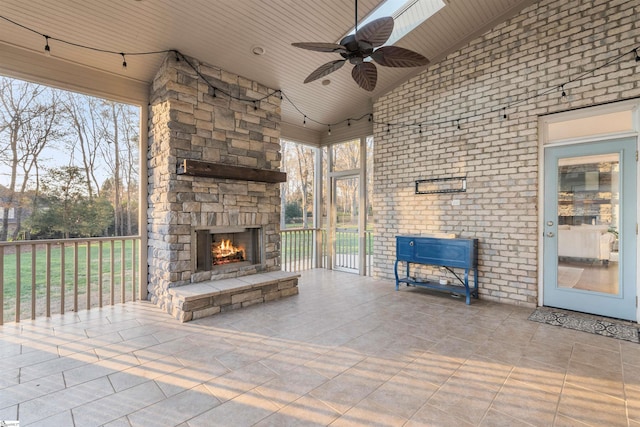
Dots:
pixel 187 120
pixel 543 47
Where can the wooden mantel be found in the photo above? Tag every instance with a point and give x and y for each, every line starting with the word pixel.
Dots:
pixel 217 170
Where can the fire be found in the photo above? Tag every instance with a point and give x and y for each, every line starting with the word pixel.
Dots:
pixel 226 252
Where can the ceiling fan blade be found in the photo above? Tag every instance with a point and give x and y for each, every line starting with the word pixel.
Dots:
pixel 325 69
pixel 377 32
pixel 393 56
pixel 320 47
pixel 366 75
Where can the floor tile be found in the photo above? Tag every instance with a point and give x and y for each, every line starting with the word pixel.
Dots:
pixel 114 406
pixel 233 384
pixel 596 357
pixel 345 390
pixel 64 400
pixel 61 419
pixel 368 413
pixel 175 409
pixel 603 380
pixel 290 385
pixel 348 350
pixel 244 410
pixel 430 416
pixel 306 411
pixel 539 375
pixel 526 403
pixel 466 400
pixel 132 374
pixel 592 408
pixel 403 394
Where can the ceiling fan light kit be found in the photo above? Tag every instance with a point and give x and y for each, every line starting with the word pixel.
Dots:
pixel 356 48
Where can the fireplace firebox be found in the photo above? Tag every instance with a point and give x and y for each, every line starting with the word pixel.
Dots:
pixel 227 248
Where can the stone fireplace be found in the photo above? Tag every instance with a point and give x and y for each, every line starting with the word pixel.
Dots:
pixel 211 163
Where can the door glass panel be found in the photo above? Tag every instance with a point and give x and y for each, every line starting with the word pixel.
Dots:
pixel 347 208
pixel 588 223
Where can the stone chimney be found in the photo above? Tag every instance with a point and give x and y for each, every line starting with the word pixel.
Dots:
pixel 188 120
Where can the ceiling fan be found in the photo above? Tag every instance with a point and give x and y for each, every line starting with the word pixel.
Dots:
pixel 357 47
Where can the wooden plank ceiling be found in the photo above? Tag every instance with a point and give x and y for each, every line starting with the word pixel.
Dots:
pixel 223 33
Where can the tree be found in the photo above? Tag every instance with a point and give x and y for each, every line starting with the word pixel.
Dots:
pixel 100 138
pixel 66 209
pixel 82 112
pixel 119 129
pixel 305 159
pixel 298 162
pixel 28 118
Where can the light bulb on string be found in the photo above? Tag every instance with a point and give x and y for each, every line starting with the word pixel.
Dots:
pixel 388 127
pixel 637 55
pixel 348 122
pixel 504 113
pixel 329 130
pixel 255 106
pixel 458 124
pixel 304 121
pixel 563 97
pixel 420 129
pixel 124 62
pixel 214 93
pixel 370 117
pixel 47 49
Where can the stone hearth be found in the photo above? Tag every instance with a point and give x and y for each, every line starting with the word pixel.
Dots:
pixel 189 122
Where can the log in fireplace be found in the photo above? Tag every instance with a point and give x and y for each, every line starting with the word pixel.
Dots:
pixel 227 247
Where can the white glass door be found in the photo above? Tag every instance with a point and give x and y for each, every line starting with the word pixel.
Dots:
pixel 589 244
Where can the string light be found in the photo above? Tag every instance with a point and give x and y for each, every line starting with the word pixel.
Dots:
pixel 179 57
pixel 563 97
pixel 304 121
pixel 420 128
pixel 47 49
pixel 255 106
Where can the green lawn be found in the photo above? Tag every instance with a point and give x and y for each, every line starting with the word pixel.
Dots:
pixel 346 242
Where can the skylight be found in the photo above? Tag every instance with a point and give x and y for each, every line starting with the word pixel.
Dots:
pixel 407 14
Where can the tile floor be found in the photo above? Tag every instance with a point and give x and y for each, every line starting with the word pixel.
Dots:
pixel 347 351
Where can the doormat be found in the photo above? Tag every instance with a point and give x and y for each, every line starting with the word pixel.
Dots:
pixel 613 328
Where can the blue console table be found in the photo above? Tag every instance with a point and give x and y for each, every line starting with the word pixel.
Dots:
pixel 448 253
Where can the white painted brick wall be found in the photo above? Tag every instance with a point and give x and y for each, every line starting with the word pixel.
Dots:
pixel 546 45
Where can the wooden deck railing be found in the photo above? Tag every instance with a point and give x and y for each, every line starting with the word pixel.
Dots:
pixel 306 248
pixel 44 277
pixel 302 249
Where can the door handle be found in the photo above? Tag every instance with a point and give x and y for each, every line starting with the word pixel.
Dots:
pixel 550 234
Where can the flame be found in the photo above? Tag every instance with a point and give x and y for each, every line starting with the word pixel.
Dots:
pixel 226 252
